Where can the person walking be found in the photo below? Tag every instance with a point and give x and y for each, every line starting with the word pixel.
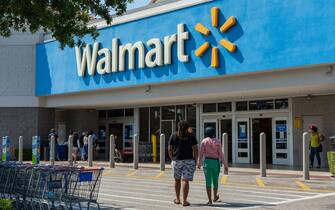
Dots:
pixel 315 145
pixel 183 151
pixel 212 158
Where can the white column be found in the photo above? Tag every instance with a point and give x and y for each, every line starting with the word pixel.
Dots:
pixel 90 151
pixel 21 149
pixel 225 148
pixel 305 148
pixel 52 150
pixel 111 151
pixel 70 145
pixel 135 152
pixel 162 152
pixel 262 161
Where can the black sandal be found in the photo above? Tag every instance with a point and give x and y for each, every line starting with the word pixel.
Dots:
pixel 176 202
pixel 186 203
pixel 216 198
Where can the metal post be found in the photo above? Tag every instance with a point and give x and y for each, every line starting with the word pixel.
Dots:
pixel 225 148
pixel 262 161
pixel 162 152
pixel 135 152
pixel 90 151
pixel 52 150
pixel 70 145
pixel 111 151
pixel 305 148
pixel 21 149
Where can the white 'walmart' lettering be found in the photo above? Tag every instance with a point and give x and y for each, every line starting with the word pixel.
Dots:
pixel 105 61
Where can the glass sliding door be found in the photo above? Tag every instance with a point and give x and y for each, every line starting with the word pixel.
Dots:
pixel 243 141
pixel 280 143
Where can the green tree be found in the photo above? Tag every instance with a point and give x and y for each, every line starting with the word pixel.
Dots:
pixel 66 20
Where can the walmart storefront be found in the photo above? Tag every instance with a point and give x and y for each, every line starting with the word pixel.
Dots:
pixel 239 66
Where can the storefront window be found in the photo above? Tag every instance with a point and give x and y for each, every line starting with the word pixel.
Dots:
pixel 281 103
pixel 102 114
pixel 224 107
pixel 180 113
pixel 116 113
pixel 261 105
pixel 208 108
pixel 129 112
pixel 242 106
pixel 168 112
pixel 192 116
pixel 144 124
pixel 155 119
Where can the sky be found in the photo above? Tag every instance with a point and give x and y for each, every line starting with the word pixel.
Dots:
pixel 138 3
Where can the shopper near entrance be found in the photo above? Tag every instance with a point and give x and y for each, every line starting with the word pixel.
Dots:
pixel 211 158
pixel 183 151
pixel 315 145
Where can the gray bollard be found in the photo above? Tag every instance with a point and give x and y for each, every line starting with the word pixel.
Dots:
pixel 21 149
pixel 90 151
pixel 262 154
pixel 305 164
pixel 225 148
pixel 162 152
pixel 135 151
pixel 70 146
pixel 111 151
pixel 52 150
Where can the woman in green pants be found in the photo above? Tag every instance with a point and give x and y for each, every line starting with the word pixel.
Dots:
pixel 212 158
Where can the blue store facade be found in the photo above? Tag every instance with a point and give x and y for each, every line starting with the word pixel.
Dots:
pixel 241 67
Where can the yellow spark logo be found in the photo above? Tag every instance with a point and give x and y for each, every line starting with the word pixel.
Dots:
pixel 231 21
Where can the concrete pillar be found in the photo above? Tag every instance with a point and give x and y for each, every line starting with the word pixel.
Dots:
pixel 135 151
pixel 162 152
pixel 70 146
pixel 111 151
pixel 262 154
pixel 21 149
pixel 225 148
pixel 305 148
pixel 52 150
pixel 90 151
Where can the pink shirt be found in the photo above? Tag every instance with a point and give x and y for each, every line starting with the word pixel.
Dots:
pixel 211 147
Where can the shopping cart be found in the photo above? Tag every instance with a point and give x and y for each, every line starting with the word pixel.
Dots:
pixel 48 187
pixel 83 188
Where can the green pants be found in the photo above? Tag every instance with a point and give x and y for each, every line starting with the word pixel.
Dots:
pixel 212 172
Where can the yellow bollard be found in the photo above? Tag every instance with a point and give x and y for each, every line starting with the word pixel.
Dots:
pixel 154 148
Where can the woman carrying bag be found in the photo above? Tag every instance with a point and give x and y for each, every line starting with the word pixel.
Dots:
pixel 211 157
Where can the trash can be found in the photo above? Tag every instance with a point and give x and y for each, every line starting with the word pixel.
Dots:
pixel 331 156
pixel 331 162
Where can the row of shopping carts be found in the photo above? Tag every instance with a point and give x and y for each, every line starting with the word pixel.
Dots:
pixel 49 187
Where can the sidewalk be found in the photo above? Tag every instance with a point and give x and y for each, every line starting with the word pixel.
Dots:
pixel 246 169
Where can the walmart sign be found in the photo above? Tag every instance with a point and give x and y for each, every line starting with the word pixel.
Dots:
pixel 108 62
pixel 185 40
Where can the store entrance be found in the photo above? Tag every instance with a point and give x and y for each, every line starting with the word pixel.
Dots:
pixel 226 127
pixel 261 125
pixel 117 130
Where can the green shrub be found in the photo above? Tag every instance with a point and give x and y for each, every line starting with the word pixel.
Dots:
pixel 6 204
